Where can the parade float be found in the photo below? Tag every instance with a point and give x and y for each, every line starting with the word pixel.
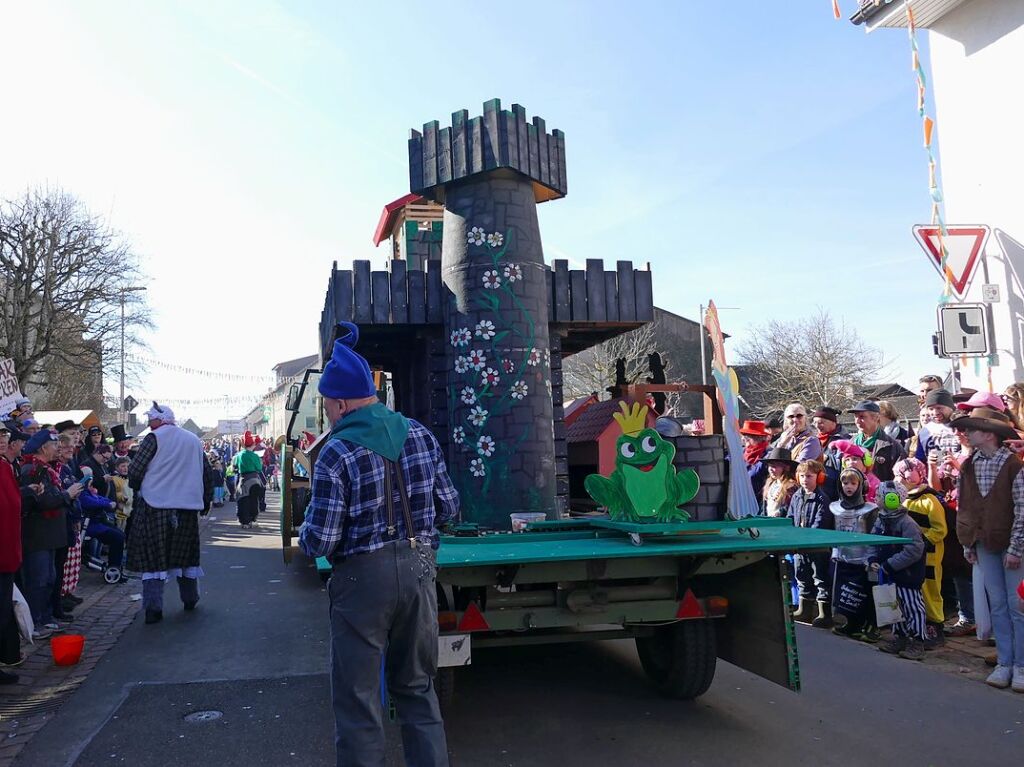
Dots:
pixel 469 329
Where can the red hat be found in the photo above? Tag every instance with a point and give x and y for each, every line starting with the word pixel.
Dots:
pixel 248 441
pixel 259 439
pixel 755 429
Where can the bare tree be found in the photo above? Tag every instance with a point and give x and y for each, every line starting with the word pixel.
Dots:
pixel 812 361
pixel 62 275
pixel 593 370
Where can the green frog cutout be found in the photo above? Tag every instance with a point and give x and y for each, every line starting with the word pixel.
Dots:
pixel 645 486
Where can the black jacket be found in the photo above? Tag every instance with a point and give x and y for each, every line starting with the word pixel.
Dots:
pixel 43 516
pixel 902 563
pixel 811 511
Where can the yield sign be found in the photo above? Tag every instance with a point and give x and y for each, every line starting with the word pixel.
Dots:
pixel 964 247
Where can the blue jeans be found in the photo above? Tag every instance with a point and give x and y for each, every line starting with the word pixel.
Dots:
pixel 39 575
pixel 964 596
pixel 1004 605
pixel 112 537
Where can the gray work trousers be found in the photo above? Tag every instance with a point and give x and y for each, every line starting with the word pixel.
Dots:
pixel 384 605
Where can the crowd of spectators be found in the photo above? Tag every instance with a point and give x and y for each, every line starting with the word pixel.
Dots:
pixel 951 484
pixel 65 505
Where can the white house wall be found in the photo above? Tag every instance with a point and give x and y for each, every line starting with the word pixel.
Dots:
pixel 977 60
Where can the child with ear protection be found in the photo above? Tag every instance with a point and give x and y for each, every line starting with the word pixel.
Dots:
pixel 809 507
pixel 856 457
pixel 851 592
pixel 904 565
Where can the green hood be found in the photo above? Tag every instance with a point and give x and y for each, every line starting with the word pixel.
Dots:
pixel 376 428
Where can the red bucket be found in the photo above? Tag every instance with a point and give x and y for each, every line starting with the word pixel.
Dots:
pixel 67 649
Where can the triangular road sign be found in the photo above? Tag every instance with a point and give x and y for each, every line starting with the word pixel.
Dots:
pixel 964 247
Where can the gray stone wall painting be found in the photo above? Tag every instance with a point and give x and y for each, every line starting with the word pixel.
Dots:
pixel 500 412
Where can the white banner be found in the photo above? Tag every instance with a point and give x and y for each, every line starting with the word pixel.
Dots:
pixel 9 391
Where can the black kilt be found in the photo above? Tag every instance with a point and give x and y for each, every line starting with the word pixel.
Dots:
pixel 163 539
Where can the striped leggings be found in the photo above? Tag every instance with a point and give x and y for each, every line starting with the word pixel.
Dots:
pixel 914 616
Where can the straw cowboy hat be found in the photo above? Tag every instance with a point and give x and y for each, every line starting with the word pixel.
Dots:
pixel 987 419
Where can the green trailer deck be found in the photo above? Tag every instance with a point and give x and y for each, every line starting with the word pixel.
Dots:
pixel 569 540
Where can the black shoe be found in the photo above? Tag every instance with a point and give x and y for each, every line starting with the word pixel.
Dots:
pixel 63 617
pixel 154 616
pixel 8 678
pixel 73 599
pixel 191 605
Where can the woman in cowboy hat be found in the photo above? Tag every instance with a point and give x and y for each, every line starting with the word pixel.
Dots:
pixel 755 437
pixel 990 526
pixel 781 483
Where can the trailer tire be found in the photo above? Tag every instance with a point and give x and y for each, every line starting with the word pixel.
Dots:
pixel 680 659
pixel 444 686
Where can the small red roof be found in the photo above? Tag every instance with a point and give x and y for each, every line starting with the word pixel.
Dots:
pixel 387 216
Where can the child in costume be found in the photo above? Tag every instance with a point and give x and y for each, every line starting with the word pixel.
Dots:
pixel 902 564
pixel 855 456
pixel 851 593
pixel 809 507
pixel 121 492
pixel 781 483
pixel 218 483
pixel 925 508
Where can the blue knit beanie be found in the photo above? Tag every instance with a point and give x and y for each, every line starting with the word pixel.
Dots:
pixel 39 439
pixel 347 375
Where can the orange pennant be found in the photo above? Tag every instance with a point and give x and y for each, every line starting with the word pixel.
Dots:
pixel 835 9
pixel 928 125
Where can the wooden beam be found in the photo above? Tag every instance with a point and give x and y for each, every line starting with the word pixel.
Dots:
pixel 578 294
pixel 399 293
pixel 380 288
pixel 561 309
pixel 627 296
pixel 417 281
pixel 361 298
pixel 595 291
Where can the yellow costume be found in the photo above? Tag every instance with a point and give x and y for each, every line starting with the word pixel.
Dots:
pixel 927 511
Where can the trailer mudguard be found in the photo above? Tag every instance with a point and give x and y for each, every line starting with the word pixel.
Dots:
pixel 757 634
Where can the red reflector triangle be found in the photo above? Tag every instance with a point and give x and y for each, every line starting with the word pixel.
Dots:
pixel 689 607
pixel 473 619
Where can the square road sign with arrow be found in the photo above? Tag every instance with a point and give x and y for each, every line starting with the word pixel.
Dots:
pixel 964 330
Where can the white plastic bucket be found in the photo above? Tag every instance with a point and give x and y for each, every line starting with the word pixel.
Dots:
pixel 521 519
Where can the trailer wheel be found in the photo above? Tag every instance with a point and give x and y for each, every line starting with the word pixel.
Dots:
pixel 444 686
pixel 680 659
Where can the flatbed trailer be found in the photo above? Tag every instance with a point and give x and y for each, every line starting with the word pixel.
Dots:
pixel 470 325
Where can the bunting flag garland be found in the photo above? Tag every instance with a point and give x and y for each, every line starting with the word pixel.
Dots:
pixel 264 379
pixel 928 129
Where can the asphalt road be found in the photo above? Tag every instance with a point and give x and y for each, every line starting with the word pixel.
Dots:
pixel 256 653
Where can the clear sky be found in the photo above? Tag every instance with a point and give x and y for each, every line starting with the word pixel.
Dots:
pixel 758 153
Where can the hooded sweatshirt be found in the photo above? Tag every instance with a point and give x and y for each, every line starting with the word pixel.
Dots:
pixel 902 563
pixel 853 515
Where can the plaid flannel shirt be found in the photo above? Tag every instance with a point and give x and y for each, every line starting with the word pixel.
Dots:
pixel 986 469
pixel 347 513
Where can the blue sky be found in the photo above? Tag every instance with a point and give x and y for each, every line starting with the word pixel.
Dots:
pixel 758 153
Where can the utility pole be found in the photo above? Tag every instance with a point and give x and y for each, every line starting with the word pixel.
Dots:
pixel 121 412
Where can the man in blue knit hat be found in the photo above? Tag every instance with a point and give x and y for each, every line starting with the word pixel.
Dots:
pixel 372 513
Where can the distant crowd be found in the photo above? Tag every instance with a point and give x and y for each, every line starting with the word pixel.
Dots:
pixel 953 486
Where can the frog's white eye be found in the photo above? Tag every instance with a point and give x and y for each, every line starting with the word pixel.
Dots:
pixel 647 443
pixel 628 450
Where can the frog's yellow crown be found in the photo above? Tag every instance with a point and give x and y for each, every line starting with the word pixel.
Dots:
pixel 632 419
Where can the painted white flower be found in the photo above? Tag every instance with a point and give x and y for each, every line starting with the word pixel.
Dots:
pixel 490 377
pixel 547 356
pixel 485 329
pixel 492 279
pixel 477 416
pixel 461 364
pixel 495 240
pixel 458 435
pixel 475 236
pixel 477 467
pixel 509 366
pixel 468 395
pixel 513 272
pixel 534 358
pixel 461 337
pixel 476 359
pixel 485 446
pixel 519 390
